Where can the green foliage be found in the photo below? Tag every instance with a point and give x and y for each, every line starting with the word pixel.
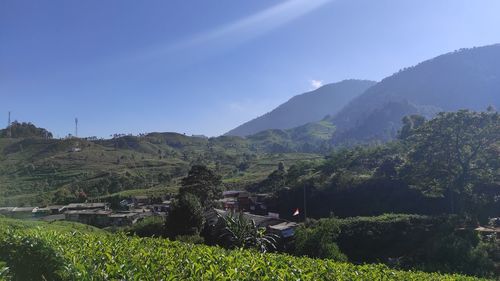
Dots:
pixel 240 232
pixel 24 130
pixel 30 258
pixel 190 239
pixel 274 181
pixel 94 256
pixel 450 250
pixel 455 154
pixel 148 227
pixel 405 241
pixel 203 183
pixel 410 123
pixel 4 272
pixel 319 241
pixel 185 216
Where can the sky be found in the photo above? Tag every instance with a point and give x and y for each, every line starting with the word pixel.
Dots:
pixel 207 66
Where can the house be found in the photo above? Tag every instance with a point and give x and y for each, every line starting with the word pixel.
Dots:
pixel 280 227
pixel 236 200
pixel 86 206
pixel 17 212
pixel 258 203
pixel 141 200
pixel 47 211
pixel 6 210
pixel 489 231
pixel 284 229
pixel 162 208
pixel 21 212
pixel 123 218
pixel 95 217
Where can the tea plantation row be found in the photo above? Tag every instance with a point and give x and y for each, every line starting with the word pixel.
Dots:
pixel 59 253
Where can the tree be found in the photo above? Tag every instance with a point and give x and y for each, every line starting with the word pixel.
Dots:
pixel 319 241
pixel 455 154
pixel 410 123
pixel 203 183
pixel 25 130
pixel 238 231
pixel 275 181
pixel 185 216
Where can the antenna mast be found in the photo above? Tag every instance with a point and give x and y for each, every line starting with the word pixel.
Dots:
pixel 9 132
pixel 76 127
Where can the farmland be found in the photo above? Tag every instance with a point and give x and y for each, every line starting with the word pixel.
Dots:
pixel 76 252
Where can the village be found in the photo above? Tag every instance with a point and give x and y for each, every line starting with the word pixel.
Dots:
pixel 134 209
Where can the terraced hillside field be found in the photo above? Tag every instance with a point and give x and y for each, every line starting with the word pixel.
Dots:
pixel 37 171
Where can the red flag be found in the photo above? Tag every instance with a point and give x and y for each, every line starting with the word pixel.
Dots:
pixel 296 213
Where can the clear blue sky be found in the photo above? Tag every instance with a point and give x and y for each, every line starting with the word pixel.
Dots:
pixel 204 67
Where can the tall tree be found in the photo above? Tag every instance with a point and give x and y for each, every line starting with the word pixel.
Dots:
pixel 203 183
pixel 454 154
pixel 185 216
pixel 410 123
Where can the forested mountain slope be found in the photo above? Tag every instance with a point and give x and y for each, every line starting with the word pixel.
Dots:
pixel 464 79
pixel 305 108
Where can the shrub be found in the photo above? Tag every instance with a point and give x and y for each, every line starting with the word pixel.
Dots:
pixel 4 272
pixel 148 227
pixel 190 239
pixel 319 241
pixel 29 258
pixel 98 256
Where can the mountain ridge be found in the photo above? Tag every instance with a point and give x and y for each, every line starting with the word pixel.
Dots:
pixel 326 100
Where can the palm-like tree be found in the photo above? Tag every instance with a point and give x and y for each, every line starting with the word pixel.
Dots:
pixel 240 231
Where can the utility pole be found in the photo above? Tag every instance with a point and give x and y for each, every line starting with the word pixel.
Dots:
pixel 305 206
pixel 76 127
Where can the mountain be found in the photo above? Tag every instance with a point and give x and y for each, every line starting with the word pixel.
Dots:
pixel 312 137
pixel 305 108
pixel 464 79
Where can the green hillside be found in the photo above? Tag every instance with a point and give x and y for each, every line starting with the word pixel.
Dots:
pixel 305 108
pixel 84 255
pixel 464 79
pixel 35 171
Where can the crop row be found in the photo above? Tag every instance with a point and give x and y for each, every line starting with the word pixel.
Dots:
pixel 97 256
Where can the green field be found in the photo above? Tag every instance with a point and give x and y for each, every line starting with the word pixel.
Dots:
pixel 89 254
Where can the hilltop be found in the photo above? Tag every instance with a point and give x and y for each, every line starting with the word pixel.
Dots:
pixel 37 171
pixel 464 79
pixel 305 108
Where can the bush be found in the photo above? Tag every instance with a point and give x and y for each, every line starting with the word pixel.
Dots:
pixel 404 241
pixel 96 256
pixel 4 272
pixel 148 227
pixel 190 239
pixel 29 258
pixel 319 241
pixel 456 251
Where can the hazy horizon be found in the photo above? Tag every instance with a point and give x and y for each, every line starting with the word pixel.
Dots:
pixel 121 67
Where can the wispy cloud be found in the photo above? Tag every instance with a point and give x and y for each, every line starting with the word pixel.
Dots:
pixel 316 84
pixel 242 30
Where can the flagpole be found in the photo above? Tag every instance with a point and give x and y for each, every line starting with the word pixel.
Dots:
pixel 305 209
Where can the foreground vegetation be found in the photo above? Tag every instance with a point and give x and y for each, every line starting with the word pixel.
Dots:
pixel 89 255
